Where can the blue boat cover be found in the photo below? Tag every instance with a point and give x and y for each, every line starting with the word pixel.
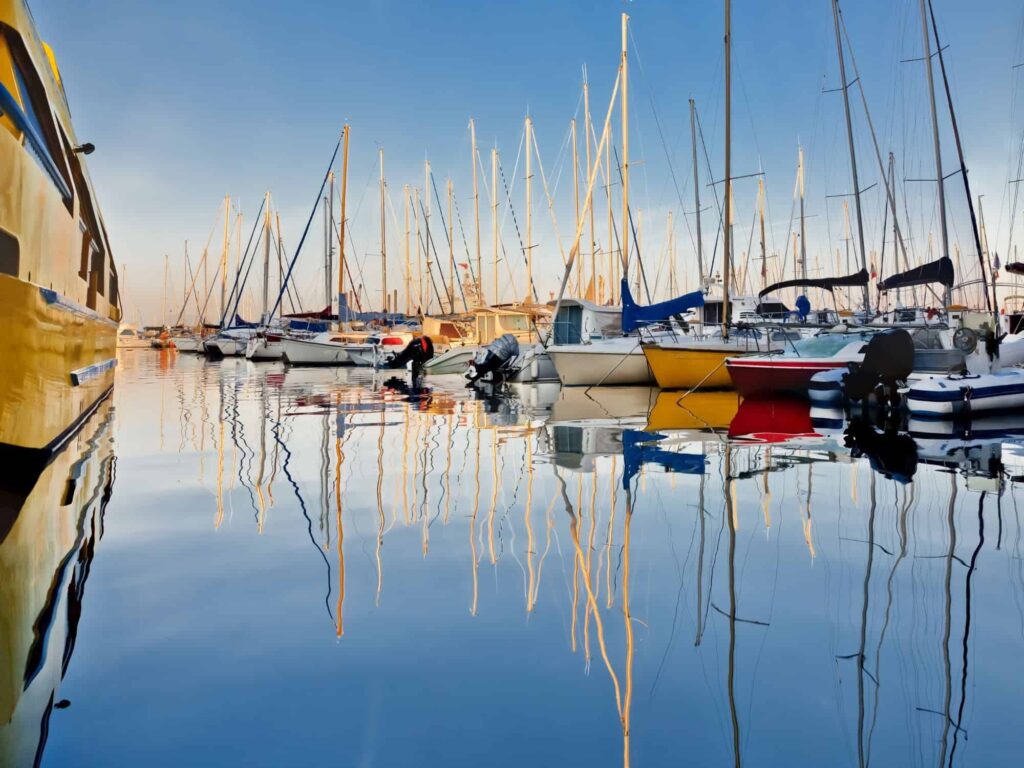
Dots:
pixel 634 316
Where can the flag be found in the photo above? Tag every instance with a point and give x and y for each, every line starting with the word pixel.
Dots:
pixel 874 272
pixel 464 265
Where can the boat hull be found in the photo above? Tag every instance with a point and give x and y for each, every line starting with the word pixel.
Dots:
pixel 264 350
pixel 309 352
pixel 767 375
pixel 949 397
pixel 59 361
pixel 187 343
pixel 452 361
pixel 580 366
pixel 682 367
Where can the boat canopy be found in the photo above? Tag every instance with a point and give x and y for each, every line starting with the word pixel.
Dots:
pixel 579 321
pixel 827 283
pixel 938 271
pixel 634 315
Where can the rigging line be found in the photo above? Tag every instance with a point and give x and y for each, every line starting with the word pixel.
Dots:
pixel 451 247
pixel 632 229
pixel 465 245
pixel 427 248
pixel 348 269
pixel 430 272
pixel 309 221
pixel 252 259
pixel 515 222
pixel 550 201
pixel 245 255
pixel 664 144
pixel 714 192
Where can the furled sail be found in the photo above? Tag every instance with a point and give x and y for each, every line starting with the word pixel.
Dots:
pixel 827 283
pixel 634 316
pixel 939 271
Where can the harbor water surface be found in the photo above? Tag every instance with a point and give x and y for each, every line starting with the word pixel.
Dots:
pixel 318 566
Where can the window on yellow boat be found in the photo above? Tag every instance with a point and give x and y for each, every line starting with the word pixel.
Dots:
pixel 37 111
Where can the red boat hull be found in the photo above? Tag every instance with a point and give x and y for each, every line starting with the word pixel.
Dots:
pixel 752 375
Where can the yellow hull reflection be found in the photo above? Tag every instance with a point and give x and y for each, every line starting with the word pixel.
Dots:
pixel 58 361
pixel 700 410
pixel 48 536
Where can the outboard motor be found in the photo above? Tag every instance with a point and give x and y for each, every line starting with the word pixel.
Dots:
pixel 418 351
pixel 493 358
pixel 888 359
pixel 890 453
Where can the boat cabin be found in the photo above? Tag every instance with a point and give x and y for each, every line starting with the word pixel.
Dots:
pixel 492 323
pixel 580 322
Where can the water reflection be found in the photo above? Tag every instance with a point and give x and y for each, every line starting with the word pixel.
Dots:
pixel 50 526
pixel 613 576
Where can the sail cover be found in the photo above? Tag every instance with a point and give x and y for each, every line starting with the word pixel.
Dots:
pixel 634 316
pixel 828 283
pixel 939 271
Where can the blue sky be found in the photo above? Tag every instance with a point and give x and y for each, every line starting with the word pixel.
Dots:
pixel 190 101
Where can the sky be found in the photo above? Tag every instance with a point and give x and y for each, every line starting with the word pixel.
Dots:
pixel 188 102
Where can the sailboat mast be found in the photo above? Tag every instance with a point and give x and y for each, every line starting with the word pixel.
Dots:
pixel 853 152
pixel 529 210
pixel 696 192
pixel 494 217
pixel 266 257
pixel 224 262
pixel 927 38
pixel 342 316
pixel 803 218
pixel 452 271
pixel 163 304
pixel 576 198
pixel 476 214
pixel 329 242
pixel 764 248
pixel 587 131
pixel 624 94
pixel 383 240
pixel 408 266
pixel 727 214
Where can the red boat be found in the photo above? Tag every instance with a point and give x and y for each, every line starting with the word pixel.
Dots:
pixel 791 370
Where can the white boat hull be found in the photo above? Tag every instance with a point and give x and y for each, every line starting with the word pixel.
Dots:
pixel 949 396
pixel 310 352
pixel 589 365
pixel 362 355
pixel 187 343
pixel 452 361
pixel 535 364
pixel 260 349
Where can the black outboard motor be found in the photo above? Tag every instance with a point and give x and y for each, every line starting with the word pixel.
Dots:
pixel 493 358
pixel 418 351
pixel 888 359
pixel 890 453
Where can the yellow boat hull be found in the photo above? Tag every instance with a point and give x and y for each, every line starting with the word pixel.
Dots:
pixel 689 367
pixel 58 364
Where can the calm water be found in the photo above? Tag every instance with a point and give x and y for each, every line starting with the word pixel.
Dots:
pixel 248 565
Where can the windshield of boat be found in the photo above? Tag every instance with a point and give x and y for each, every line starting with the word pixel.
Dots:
pixel 825 345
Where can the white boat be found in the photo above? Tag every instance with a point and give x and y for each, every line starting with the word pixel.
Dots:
pixel 533 364
pixel 609 362
pixel 452 361
pixel 264 347
pixel 187 343
pixel 961 395
pixel 491 323
pixel 372 352
pixel 128 338
pixel 328 348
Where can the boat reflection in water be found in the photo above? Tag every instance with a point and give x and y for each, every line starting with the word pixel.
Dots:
pixel 49 531
pixel 672 576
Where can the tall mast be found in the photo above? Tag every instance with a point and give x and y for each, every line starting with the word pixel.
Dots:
pixel 963 165
pixel 625 147
pixel 424 305
pixel 163 304
pixel 670 243
pixel 342 225
pixel 803 218
pixel 586 134
pixel 408 266
pixel 764 248
pixel 427 246
pixel 476 215
pixel 576 197
pixel 494 217
pixel 727 214
pixel 529 211
pixel 224 263
pixel 696 192
pixel 329 242
pixel 452 271
pixel 935 137
pixel 612 282
pixel 266 258
pixel 853 153
pixel 383 238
